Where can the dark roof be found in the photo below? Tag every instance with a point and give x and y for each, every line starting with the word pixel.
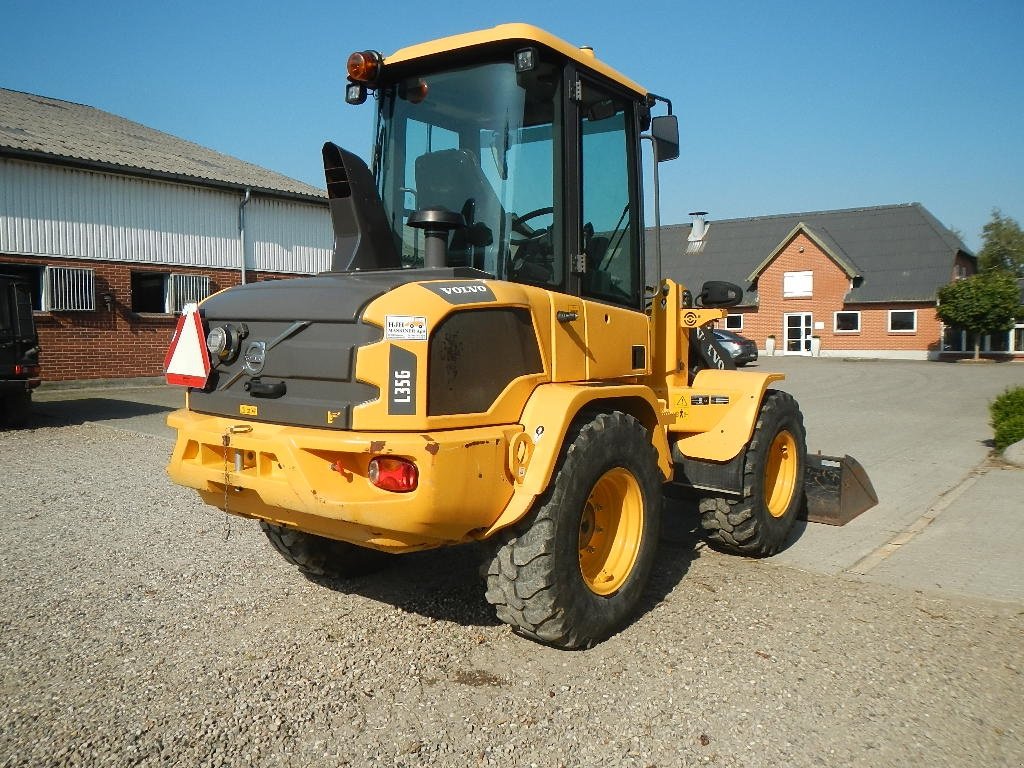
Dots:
pixel 50 130
pixel 893 252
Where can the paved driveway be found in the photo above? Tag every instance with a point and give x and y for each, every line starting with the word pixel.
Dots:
pixel 921 431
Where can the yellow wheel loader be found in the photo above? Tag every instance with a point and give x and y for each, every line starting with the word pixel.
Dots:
pixel 483 361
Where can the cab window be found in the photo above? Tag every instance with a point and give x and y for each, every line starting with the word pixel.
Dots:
pixel 608 198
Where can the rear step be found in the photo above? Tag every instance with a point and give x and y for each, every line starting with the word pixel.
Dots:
pixel 837 488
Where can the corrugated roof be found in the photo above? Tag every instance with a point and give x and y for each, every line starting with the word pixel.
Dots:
pixel 41 128
pixel 902 252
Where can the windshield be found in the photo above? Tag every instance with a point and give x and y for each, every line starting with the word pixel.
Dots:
pixel 478 141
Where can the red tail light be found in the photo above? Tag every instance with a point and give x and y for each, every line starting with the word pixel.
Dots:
pixel 390 474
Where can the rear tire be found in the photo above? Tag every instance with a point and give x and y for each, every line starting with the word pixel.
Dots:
pixel 759 524
pixel 15 409
pixel 321 558
pixel 574 572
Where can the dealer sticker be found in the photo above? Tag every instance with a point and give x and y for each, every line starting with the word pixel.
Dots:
pixel 405 328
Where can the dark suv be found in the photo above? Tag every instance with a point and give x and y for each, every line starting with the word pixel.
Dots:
pixel 19 352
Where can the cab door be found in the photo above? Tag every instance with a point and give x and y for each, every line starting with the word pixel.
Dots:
pixel 609 236
pixel 610 269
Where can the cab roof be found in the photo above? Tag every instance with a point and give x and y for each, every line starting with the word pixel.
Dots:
pixel 506 33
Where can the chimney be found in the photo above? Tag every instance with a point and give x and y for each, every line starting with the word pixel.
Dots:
pixel 700 228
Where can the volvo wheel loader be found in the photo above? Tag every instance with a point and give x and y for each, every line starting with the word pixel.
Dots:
pixel 483 361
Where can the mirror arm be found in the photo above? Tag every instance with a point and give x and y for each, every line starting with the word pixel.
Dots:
pixel 653 98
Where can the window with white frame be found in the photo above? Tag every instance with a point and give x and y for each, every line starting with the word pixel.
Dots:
pixel 69 289
pixel 734 322
pixel 797 284
pixel 163 293
pixel 902 320
pixel 846 322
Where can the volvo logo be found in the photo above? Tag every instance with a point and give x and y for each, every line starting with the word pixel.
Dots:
pixel 255 357
pixel 461 291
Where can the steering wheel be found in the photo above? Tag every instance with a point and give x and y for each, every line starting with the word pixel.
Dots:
pixel 534 250
pixel 519 223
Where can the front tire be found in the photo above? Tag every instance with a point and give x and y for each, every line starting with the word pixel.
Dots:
pixel 759 523
pixel 321 558
pixel 574 573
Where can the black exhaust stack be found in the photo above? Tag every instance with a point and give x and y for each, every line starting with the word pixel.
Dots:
pixel 362 238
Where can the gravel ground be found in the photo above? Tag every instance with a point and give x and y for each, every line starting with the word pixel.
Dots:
pixel 133 633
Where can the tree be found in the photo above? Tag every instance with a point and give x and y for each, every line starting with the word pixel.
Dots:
pixel 985 303
pixel 1003 246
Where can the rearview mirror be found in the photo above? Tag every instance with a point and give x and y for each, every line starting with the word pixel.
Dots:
pixel 718 293
pixel 665 132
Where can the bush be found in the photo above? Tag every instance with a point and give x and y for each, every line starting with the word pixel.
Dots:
pixel 1007 413
pixel 1009 432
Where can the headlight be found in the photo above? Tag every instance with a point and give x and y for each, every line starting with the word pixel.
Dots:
pixel 217 342
pixel 224 341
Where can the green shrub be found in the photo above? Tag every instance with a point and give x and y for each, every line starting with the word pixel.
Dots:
pixel 1007 413
pixel 1009 432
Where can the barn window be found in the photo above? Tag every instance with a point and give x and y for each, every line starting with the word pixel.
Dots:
pixel 69 289
pixel 28 275
pixel 163 293
pixel 187 289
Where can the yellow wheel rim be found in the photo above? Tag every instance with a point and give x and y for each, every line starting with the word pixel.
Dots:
pixel 610 531
pixel 780 473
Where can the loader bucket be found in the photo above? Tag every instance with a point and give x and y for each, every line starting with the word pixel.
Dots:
pixel 837 489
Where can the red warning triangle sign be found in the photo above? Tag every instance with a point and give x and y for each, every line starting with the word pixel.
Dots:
pixel 187 362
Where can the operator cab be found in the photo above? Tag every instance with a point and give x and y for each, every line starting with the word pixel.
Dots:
pixel 512 153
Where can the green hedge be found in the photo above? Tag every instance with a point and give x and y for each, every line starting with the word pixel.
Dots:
pixel 1007 413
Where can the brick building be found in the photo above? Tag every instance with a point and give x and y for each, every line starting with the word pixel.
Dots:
pixel 115 226
pixel 860 282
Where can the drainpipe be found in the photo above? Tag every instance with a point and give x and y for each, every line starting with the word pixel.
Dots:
pixel 241 226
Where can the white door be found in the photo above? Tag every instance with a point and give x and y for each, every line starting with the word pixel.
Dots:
pixel 798 333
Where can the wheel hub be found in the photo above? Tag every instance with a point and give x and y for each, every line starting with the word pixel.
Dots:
pixel 780 473
pixel 611 526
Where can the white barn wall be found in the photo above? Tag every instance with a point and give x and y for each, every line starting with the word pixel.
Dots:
pixel 288 236
pixel 58 212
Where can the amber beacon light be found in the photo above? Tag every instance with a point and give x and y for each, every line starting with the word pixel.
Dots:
pixel 364 66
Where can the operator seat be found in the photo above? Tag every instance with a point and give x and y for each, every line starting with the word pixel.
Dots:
pixel 452 179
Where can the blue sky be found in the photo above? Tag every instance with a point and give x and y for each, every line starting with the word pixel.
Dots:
pixel 784 107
